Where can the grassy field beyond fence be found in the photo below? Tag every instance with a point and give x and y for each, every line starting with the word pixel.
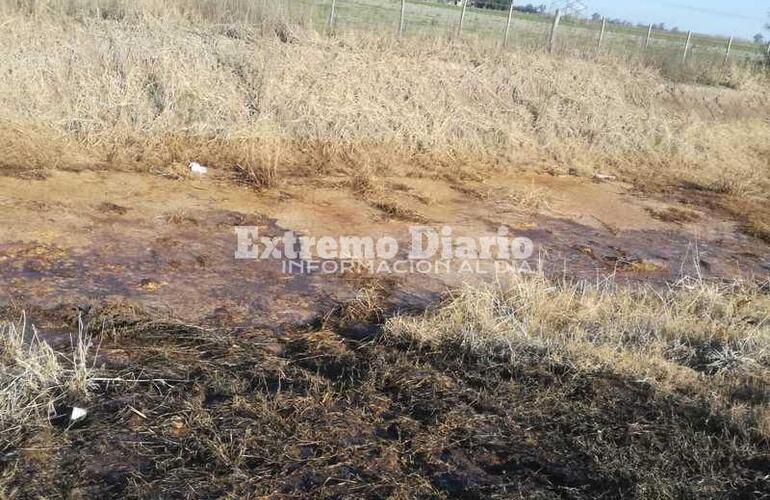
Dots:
pixel 577 37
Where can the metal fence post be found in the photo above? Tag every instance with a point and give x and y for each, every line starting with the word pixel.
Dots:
pixel 554 29
pixel 686 47
pixel 462 17
pixel 601 34
pixel 647 40
pixel 508 23
pixel 331 16
pixel 727 50
pixel 401 19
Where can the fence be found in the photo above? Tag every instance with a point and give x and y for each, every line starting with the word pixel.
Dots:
pixel 511 28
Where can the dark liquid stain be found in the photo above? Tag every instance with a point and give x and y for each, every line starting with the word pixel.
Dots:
pixel 190 269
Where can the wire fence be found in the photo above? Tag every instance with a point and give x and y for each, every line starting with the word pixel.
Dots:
pixel 674 53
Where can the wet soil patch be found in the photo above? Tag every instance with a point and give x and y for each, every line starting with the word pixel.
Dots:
pixel 186 266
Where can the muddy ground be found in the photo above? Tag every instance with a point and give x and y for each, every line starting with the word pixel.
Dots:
pixel 219 376
pixel 74 238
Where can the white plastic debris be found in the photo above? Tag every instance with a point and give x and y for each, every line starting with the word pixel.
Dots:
pixel 197 168
pixel 77 414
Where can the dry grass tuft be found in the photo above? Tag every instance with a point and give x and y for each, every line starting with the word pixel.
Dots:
pixel 363 182
pixel 34 377
pixel 528 199
pixel 394 210
pixel 258 166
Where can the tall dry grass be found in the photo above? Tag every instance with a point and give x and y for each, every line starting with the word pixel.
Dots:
pixel 147 84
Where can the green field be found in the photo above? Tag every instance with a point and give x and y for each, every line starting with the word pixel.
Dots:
pixel 424 18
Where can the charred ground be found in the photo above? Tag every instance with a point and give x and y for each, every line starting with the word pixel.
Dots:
pixel 185 411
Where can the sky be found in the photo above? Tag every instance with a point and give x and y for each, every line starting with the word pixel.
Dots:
pixel 742 18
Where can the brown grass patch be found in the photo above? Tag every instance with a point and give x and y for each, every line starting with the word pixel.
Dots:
pixel 237 95
pixel 754 214
pixel 35 379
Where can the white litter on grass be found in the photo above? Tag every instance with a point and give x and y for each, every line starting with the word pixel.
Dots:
pixel 197 168
pixel 604 177
pixel 78 414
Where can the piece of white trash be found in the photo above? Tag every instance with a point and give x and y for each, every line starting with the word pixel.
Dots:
pixel 197 168
pixel 78 414
pixel 604 177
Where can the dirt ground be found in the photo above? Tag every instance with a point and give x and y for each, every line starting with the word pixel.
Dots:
pixel 73 238
pixel 219 376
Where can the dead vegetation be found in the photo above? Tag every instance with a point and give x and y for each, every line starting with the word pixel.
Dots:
pixel 758 228
pixel 703 339
pixel 379 195
pixel 536 389
pixel 232 91
pixel 35 378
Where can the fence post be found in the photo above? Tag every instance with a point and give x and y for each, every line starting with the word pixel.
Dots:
pixel 727 50
pixel 554 29
pixel 686 47
pixel 401 19
pixel 601 34
pixel 462 18
pixel 508 23
pixel 647 40
pixel 767 56
pixel 331 16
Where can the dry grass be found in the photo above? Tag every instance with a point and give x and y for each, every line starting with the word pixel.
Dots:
pixel 524 199
pixel 710 341
pixel 147 84
pixel 258 166
pixel 382 196
pixel 497 386
pixel 34 377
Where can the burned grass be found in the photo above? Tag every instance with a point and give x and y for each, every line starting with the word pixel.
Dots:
pixel 539 390
pixel 457 402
